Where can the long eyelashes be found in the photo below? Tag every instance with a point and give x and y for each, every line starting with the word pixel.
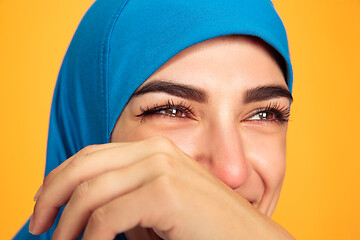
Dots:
pixel 156 109
pixel 273 112
pixel 282 113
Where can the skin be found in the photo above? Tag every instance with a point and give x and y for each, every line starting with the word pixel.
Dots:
pixel 219 164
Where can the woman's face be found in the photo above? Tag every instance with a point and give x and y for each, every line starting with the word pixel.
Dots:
pixel 225 103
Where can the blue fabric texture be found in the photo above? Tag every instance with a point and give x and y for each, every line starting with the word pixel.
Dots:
pixel 120 43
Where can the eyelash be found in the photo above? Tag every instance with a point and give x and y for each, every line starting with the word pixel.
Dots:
pixel 155 110
pixel 281 113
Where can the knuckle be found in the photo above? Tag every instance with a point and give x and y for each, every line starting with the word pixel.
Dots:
pixel 162 143
pixel 48 178
pixel 76 162
pixel 98 217
pixel 163 161
pixel 88 149
pixel 164 183
pixel 82 190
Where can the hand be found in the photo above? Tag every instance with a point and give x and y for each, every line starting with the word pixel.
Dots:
pixel 112 188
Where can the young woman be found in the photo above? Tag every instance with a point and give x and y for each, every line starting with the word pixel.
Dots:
pixel 168 121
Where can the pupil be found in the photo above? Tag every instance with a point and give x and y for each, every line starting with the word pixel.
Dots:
pixel 173 112
pixel 266 115
pixel 177 113
pixel 169 111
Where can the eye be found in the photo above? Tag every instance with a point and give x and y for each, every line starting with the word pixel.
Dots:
pixel 263 116
pixel 172 112
pixel 273 112
pixel 170 109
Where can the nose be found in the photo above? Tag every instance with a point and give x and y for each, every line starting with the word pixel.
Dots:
pixel 222 153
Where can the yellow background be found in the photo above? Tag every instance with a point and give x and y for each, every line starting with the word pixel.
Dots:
pixel 321 194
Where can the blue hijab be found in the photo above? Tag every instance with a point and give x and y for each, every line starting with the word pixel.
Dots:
pixel 119 44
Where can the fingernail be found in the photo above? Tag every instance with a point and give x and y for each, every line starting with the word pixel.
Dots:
pixel 37 194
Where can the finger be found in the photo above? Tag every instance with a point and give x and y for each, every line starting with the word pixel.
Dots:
pixel 84 167
pixel 102 189
pixel 148 206
pixel 86 150
pixel 35 221
pixel 47 224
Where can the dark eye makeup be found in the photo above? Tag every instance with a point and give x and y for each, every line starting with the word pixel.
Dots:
pixel 273 112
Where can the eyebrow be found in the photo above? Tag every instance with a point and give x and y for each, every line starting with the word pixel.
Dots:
pixel 266 92
pixel 257 94
pixel 175 89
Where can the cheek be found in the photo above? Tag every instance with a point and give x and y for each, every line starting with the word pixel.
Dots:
pixel 127 133
pixel 130 129
pixel 184 139
pixel 267 154
pixel 127 130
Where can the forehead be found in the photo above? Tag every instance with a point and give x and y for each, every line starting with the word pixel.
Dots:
pixel 228 62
